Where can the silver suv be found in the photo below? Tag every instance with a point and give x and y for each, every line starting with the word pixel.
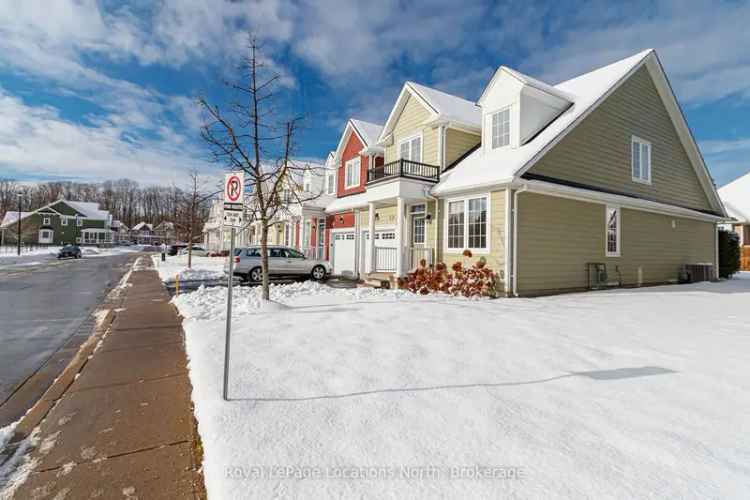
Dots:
pixel 282 261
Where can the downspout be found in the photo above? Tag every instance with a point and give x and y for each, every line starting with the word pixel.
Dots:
pixel 436 222
pixel 523 189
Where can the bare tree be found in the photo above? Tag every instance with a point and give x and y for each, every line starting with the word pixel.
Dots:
pixel 249 136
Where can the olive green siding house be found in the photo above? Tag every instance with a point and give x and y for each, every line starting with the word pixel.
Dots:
pixel 59 223
pixel 593 182
pixel 602 183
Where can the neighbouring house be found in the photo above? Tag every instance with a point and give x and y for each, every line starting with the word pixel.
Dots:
pixel 356 157
pixel 595 181
pixel 216 237
pixel 120 232
pixel 736 198
pixel 165 232
pixel 142 233
pixel 58 223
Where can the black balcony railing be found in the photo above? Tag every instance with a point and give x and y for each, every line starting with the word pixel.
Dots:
pixel 404 168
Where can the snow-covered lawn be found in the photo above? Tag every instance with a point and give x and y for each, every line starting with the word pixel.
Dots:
pixel 203 268
pixel 618 394
pixel 9 252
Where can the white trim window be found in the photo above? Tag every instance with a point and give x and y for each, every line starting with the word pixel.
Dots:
pixel 468 224
pixel 411 148
pixel 351 179
pixel 612 232
pixel 63 221
pixel 307 182
pixel 500 128
pixel 79 221
pixel 640 160
pixel 45 221
pixel 331 182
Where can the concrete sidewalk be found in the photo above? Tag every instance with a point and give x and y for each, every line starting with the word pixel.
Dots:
pixel 118 423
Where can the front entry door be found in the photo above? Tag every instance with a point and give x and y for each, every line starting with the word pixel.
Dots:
pixel 418 235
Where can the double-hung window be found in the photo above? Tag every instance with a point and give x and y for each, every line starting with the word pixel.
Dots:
pixel 612 232
pixel 331 182
pixel 640 160
pixel 307 183
pixel 63 221
pixel 500 128
pixel 411 149
pixel 468 224
pixel 45 221
pixel 352 173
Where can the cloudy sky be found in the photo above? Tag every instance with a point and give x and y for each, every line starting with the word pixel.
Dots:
pixel 91 89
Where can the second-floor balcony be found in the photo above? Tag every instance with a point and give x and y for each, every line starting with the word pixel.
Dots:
pixel 405 169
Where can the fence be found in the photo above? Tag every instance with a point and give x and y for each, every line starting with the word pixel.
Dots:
pixel 417 254
pixel 745 258
pixel 385 259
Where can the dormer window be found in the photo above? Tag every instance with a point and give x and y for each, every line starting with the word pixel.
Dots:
pixel 307 184
pixel 500 128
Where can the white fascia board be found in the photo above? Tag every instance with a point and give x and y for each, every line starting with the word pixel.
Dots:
pixel 561 191
pixel 494 186
pixel 406 91
pixel 454 124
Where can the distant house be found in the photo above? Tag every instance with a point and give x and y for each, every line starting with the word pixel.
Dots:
pixel 165 232
pixel 142 233
pixel 58 223
pixel 120 232
pixel 736 198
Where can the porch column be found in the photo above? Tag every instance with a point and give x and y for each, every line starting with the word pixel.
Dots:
pixel 399 237
pixel 371 240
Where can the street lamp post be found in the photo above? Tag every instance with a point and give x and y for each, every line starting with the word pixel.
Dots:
pixel 19 224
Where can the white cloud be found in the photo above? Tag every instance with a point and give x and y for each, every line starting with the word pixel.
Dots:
pixel 38 141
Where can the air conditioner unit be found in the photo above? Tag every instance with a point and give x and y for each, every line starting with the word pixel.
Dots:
pixel 597 275
pixel 698 272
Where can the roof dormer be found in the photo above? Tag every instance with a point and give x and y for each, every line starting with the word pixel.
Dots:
pixel 516 107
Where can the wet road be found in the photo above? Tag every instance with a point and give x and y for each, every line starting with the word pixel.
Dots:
pixel 42 305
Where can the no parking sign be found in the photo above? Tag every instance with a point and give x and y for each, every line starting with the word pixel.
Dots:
pixel 234 192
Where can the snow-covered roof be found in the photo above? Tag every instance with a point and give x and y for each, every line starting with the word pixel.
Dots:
pixel 347 203
pixel 530 81
pixel 11 217
pixel 479 170
pixel 442 107
pixel 143 225
pixel 369 132
pixel 450 107
pixel 736 198
pixel 89 209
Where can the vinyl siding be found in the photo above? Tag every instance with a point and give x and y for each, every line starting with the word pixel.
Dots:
pixel 557 237
pixel 457 143
pixel 409 123
pixel 496 256
pixel 597 151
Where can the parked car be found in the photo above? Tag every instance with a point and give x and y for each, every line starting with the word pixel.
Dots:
pixel 175 249
pixel 282 261
pixel 198 251
pixel 69 251
pixel 125 243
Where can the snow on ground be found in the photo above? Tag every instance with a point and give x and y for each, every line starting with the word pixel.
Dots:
pixel 203 268
pixel 8 252
pixel 378 394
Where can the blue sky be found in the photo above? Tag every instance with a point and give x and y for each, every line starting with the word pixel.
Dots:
pixel 93 90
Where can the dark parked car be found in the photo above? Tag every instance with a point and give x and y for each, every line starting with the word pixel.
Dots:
pixel 69 251
pixel 175 249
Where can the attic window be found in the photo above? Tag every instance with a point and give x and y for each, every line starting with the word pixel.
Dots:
pixel 640 160
pixel 500 128
pixel 411 149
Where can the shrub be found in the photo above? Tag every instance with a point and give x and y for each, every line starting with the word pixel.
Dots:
pixel 475 281
pixel 729 253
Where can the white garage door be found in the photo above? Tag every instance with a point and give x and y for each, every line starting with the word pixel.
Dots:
pixel 343 253
pixel 385 251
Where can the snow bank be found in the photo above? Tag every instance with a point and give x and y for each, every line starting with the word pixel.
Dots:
pixel 379 394
pixel 203 268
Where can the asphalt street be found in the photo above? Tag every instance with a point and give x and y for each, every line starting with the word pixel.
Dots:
pixel 42 305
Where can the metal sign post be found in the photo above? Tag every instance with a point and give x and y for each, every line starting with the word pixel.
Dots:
pixel 234 189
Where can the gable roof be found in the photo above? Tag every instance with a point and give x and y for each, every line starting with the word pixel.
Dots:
pixel 736 198
pixel 143 225
pixel 527 80
pixel 366 132
pixel 588 91
pixel 11 217
pixel 442 106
